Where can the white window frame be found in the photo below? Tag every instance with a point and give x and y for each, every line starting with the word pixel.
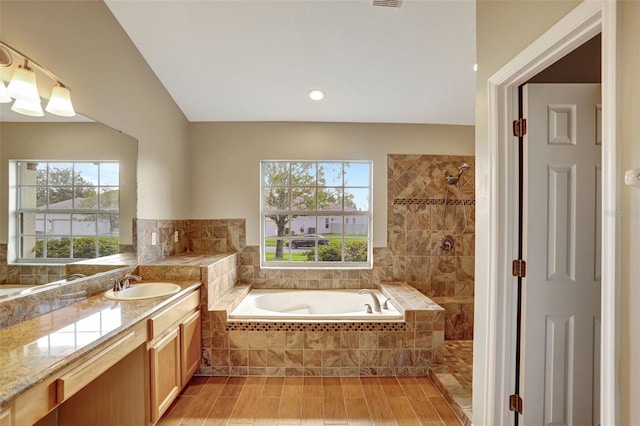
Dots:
pixel 18 210
pixel 321 217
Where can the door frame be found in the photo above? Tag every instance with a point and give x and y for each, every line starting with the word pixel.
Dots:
pixel 584 22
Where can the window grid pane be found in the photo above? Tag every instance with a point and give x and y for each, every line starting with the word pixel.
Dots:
pixel 67 210
pixel 310 218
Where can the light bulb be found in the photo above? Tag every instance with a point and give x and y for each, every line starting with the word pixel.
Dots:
pixel 316 94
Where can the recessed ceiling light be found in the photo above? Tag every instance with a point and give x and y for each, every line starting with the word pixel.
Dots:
pixel 316 94
pixel 475 67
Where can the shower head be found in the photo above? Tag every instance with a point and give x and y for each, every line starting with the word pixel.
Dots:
pixel 451 180
pixel 463 167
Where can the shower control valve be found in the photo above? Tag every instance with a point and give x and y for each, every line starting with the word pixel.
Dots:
pixel 447 243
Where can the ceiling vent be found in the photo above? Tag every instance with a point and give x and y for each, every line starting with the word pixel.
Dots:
pixel 387 3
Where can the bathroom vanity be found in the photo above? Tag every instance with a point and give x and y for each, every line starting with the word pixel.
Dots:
pixel 100 361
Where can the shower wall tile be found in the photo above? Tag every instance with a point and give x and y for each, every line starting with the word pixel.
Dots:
pixel 420 214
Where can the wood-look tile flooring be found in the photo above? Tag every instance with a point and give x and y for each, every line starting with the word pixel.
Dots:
pixel 310 401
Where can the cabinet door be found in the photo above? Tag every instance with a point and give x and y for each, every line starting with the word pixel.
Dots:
pixel 165 373
pixel 5 417
pixel 191 340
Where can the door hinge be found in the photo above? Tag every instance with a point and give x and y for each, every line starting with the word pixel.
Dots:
pixel 515 403
pixel 520 127
pixel 519 268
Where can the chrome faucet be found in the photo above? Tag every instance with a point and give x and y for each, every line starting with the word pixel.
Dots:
pixel 123 282
pixel 376 302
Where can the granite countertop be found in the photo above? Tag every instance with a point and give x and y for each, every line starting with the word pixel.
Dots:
pixel 185 259
pixel 33 350
pixel 123 259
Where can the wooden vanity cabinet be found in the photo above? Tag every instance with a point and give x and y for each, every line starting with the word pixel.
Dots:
pixel 131 381
pixel 191 346
pixel 174 351
pixel 5 417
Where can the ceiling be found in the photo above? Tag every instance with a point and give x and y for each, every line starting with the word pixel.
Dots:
pixel 239 60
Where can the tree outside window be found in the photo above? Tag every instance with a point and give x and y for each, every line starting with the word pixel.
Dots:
pixel 67 210
pixel 301 196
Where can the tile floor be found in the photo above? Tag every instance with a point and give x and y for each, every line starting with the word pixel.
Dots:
pixel 310 401
pixel 458 358
pixel 453 378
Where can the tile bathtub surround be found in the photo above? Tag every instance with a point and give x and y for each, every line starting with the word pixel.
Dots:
pixel 217 272
pixel 326 348
pixel 28 274
pixel 199 236
pixel 217 235
pixel 165 245
pixel 384 270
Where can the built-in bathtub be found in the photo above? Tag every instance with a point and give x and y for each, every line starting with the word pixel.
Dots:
pixel 314 305
pixel 408 342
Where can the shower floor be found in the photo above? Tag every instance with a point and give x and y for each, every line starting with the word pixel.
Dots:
pixel 454 377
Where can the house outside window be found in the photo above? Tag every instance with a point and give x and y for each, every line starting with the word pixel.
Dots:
pixel 66 210
pixel 308 211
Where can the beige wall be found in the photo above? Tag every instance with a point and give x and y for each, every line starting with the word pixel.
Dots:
pixel 72 141
pixel 630 219
pixel 83 44
pixel 225 160
pixel 503 29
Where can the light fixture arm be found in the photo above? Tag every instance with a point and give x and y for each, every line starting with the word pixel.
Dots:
pixel 27 59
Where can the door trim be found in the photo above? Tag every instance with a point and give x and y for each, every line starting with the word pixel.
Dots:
pixel 585 21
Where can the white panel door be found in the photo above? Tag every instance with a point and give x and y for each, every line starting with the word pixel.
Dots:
pixel 561 293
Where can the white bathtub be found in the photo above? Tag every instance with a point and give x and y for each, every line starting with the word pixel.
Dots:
pixel 311 305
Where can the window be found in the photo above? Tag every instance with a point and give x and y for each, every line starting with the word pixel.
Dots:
pixel 305 210
pixel 66 210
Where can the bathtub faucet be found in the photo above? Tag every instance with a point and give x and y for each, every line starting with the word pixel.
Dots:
pixel 376 302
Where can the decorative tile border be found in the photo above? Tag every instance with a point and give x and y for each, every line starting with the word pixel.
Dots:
pixel 319 326
pixel 432 202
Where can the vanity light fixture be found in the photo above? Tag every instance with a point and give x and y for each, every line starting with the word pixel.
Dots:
pixel 23 84
pixel 5 61
pixel 27 107
pixel 60 102
pixel 316 94
pixel 4 96
pixel 24 89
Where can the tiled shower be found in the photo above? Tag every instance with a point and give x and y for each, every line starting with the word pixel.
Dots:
pixel 417 221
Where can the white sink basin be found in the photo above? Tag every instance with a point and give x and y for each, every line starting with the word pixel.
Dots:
pixel 143 291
